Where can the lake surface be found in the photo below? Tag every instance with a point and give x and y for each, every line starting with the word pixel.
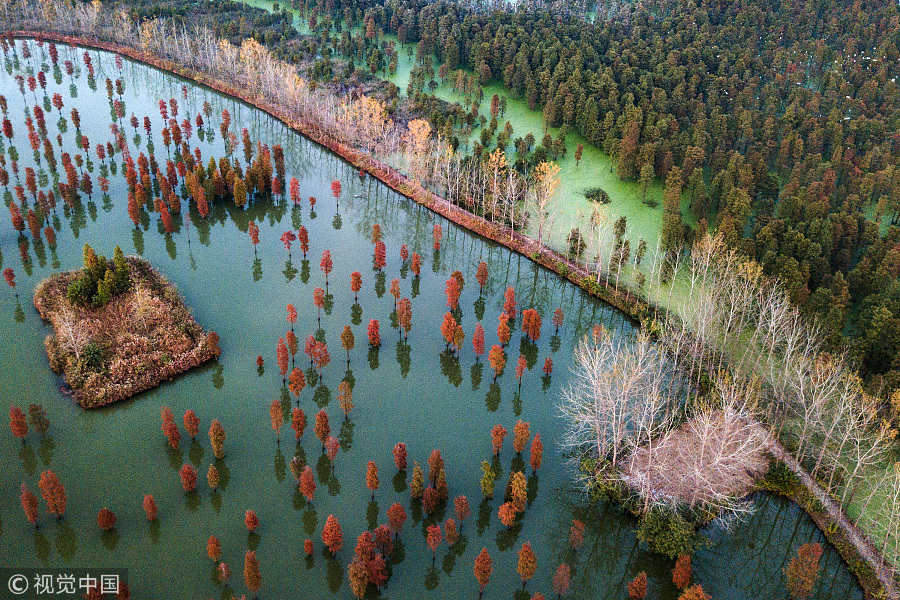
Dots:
pixel 415 393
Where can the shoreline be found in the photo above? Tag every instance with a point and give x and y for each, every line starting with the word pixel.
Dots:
pixel 637 309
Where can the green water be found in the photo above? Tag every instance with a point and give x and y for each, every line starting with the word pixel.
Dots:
pixel 569 208
pixel 421 396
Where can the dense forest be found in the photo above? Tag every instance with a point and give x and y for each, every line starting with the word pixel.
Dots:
pixel 777 121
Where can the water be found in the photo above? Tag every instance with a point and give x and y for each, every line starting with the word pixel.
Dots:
pixel 112 457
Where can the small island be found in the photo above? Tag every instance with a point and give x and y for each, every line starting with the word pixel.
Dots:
pixel 119 328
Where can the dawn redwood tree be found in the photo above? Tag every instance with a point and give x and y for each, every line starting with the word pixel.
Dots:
pixel 435 465
pixel 322 427
pixel 217 438
pixel 461 509
pixel 557 319
pixel 481 276
pixel 308 547
pixel 521 366
pixel 429 500
pixel 252 576
pixel 251 521
pixel 396 518
pixel 287 238
pixel 448 328
pixel 802 571
pixel 348 341
pixel 436 234
pixel 191 423
pixel 395 291
pixel 376 233
pixel 291 315
pixel 694 592
pixel 482 569
pixel 531 324
pixel 358 577
pixel 379 260
pixel 507 514
pixel 253 232
pixel 307 483
pixel 536 453
pixel 399 453
pixel 518 490
pixel 53 493
pixel 276 417
pixel 372 478
pixel 509 303
pixel 345 398
pixel 433 539
pixel 10 276
pixel 296 381
pixel 548 366
pixel 188 475
pixel 498 432
pixel 212 477
pixel 374 333
pixel 213 549
pixel 281 355
pixel 17 423
pixel 170 429
pixel 637 587
pixel 503 330
pixel 106 519
pixel 452 291
pixel 291 339
pixel 416 264
pixel 527 563
pixel 404 316
pixel 29 504
pixel 332 536
pixel 298 422
pixel 478 341
pixel 150 509
pixel 303 239
pixel 451 531
pixel 326 264
pixel 332 445
pixel 355 284
pixel 681 574
pixel 497 359
pixel 223 572
pixel 521 435
pixel 576 534
pixel 319 302
pixel 561 580
pixel 441 486
pixel 320 356
pixel 417 483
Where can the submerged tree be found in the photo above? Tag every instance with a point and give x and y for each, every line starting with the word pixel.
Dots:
pixel 332 536
pixel 213 548
pixel 372 477
pixel 527 563
pixel 482 569
pixel 276 417
pixel 298 422
pixel 29 504
pixel 17 422
pixel 498 433
pixel 637 587
pixel 399 453
pixel 217 438
pixel 53 493
pixel 149 506
pixel 433 539
pixel 802 571
pixel 536 453
pixel 106 519
pixel 252 576
pixel 188 475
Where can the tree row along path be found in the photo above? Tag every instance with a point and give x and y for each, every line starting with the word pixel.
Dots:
pixel 862 544
pixel 629 303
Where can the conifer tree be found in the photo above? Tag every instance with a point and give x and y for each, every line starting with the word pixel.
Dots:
pixel 149 506
pixel 276 417
pixel 527 563
pixel 399 453
pixel 188 475
pixel 433 539
pixel 332 536
pixel 483 569
pixel 252 576
pixel 372 478
pixel 213 548
pixel 217 438
pixel 29 504
pixel 53 493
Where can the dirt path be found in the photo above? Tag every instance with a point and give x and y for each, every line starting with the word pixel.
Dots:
pixel 864 547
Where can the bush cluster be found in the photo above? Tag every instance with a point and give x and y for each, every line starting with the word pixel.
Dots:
pixel 100 280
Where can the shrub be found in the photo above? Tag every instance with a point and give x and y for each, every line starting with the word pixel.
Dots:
pixel 667 532
pixel 780 477
pixel 92 356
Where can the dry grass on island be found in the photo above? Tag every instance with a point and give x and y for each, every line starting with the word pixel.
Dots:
pixel 119 328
